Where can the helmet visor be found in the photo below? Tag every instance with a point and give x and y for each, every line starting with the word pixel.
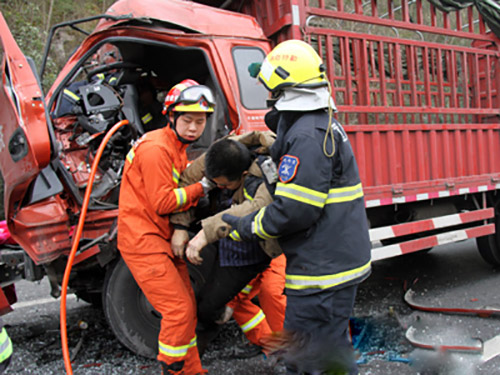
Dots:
pixel 194 94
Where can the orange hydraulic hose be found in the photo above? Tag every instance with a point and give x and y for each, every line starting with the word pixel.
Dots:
pixel 74 246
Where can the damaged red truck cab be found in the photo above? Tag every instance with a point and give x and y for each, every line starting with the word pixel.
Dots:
pixel 49 141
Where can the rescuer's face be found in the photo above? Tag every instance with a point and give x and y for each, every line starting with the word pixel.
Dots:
pixel 190 125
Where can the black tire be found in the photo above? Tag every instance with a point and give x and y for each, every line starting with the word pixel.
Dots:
pixel 133 320
pixel 489 246
pixel 135 323
pixel 200 274
pixel 489 249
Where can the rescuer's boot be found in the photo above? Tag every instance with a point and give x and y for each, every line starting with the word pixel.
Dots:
pixel 172 369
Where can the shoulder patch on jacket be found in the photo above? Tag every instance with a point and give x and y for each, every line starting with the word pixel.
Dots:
pixel 288 168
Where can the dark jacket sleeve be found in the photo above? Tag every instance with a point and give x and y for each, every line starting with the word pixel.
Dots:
pixel 301 194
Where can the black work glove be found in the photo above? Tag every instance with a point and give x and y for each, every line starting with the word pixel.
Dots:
pixel 242 226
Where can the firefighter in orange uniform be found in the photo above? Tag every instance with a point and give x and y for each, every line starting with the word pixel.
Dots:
pixel 258 323
pixel 149 193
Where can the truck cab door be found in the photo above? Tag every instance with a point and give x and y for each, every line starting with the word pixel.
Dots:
pixel 25 147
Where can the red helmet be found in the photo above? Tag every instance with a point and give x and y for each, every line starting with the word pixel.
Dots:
pixel 189 96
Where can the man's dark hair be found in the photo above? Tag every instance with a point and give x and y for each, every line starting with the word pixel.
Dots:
pixel 227 158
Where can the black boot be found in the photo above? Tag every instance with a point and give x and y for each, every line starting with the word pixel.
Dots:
pixel 171 369
pixel 205 335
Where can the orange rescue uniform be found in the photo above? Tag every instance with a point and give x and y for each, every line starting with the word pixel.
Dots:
pixel 149 193
pixel 258 323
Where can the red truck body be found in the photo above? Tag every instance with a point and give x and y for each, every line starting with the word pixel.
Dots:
pixel 417 92
pixel 416 89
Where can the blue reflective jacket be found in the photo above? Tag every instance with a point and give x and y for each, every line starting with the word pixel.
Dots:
pixel 318 212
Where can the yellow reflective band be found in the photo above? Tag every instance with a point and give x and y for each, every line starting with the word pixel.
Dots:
pixel 146 118
pixel 235 236
pixel 258 228
pixel 344 194
pixel 176 351
pixel 180 195
pixel 101 76
pixel 247 196
pixel 247 289
pixel 301 194
pixel 300 282
pixel 175 175
pixel 112 79
pixel 254 322
pixel 72 95
pixel 131 155
pixel 5 345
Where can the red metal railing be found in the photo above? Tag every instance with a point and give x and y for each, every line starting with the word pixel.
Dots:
pixel 416 88
pixel 417 15
pixel 407 81
pixel 407 63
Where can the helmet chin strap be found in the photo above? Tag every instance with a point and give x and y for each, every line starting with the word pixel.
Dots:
pixel 173 125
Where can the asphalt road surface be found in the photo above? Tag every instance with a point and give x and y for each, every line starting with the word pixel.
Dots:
pixel 448 276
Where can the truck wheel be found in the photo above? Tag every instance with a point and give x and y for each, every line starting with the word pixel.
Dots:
pixel 132 319
pixel 135 323
pixel 489 246
pixel 489 249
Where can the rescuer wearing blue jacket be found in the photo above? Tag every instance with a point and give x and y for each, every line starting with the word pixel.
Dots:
pixel 318 213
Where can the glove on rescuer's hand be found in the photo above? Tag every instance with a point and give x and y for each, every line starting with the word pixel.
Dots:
pixel 207 185
pixel 243 225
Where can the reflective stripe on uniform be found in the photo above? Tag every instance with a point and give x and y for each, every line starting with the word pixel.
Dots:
pixel 247 289
pixel 254 322
pixel 235 236
pixel 5 345
pixel 112 80
pixel 176 351
pixel 131 155
pixel 258 228
pixel 344 194
pixel 175 175
pixel 146 118
pixel 247 196
pixel 71 95
pixel 101 76
pixel 300 282
pixel 301 194
pixel 316 198
pixel 181 196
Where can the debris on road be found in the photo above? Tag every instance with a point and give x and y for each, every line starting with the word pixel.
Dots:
pixel 483 312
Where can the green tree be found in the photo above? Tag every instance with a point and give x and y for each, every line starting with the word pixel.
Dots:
pixel 30 22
